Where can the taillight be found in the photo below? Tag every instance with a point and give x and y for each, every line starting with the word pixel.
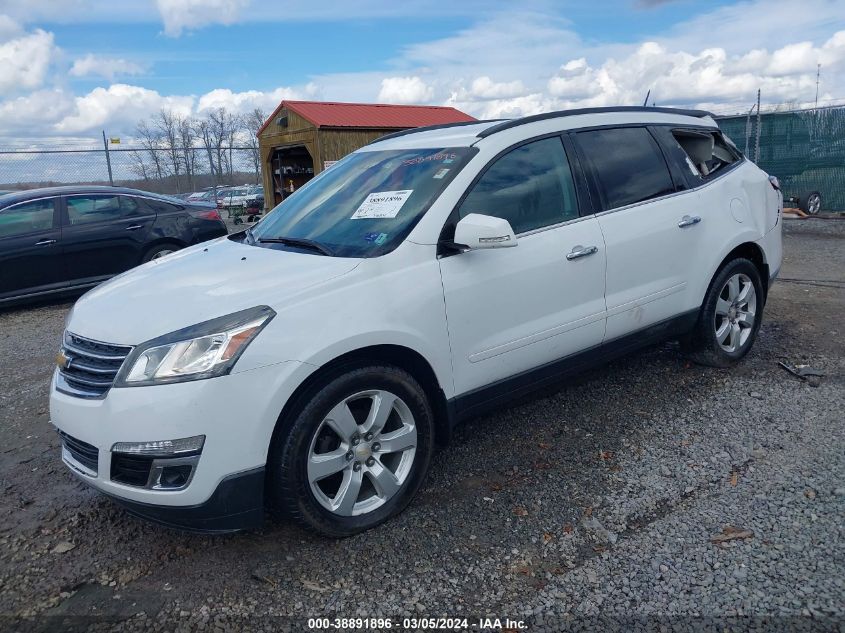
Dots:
pixel 209 214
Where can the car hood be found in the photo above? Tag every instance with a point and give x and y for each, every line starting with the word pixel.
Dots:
pixel 197 284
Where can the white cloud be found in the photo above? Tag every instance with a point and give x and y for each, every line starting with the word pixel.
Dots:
pixel 247 101
pixel 486 88
pixel 180 15
pixel 710 75
pixel 405 90
pixel 119 106
pixel 33 115
pixel 25 60
pixel 506 64
pixel 107 67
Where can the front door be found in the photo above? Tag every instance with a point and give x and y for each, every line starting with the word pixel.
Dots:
pixel 30 248
pixel 103 235
pixel 510 310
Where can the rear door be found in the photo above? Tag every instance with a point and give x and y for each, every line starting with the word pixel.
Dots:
pixel 30 248
pixel 103 235
pixel 651 228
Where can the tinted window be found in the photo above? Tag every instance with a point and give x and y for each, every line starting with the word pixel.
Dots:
pixel 530 187
pixel 628 164
pixel 99 208
pixel 26 217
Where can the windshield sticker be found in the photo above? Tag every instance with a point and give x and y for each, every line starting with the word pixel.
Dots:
pixel 446 157
pixel 382 204
pixel 376 238
pixel 440 173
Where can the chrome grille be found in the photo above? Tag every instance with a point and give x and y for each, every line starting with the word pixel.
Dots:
pixel 89 367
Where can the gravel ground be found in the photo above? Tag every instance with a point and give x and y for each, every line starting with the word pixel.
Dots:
pixel 648 493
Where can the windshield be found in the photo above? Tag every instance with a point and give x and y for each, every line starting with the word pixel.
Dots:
pixel 365 205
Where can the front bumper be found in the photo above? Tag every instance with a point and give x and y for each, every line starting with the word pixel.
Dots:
pixel 236 414
pixel 236 504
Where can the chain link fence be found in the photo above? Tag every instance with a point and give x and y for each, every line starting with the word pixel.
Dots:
pixel 805 149
pixel 161 170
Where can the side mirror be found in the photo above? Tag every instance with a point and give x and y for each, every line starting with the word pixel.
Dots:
pixel 477 231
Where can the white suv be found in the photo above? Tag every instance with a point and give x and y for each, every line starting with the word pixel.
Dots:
pixel 312 363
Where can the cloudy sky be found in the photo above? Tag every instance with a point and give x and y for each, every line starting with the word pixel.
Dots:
pixel 70 68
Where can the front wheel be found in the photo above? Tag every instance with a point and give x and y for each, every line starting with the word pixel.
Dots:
pixel 355 454
pixel 730 316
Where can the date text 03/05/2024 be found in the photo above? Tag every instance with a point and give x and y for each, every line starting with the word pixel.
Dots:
pixel 417 624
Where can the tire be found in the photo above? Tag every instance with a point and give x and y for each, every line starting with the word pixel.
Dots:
pixel 367 484
pixel 160 250
pixel 735 297
pixel 810 202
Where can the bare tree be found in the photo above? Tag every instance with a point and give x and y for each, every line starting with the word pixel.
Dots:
pixel 186 133
pixel 139 165
pixel 167 125
pixel 150 140
pixel 202 130
pixel 252 124
pixel 223 127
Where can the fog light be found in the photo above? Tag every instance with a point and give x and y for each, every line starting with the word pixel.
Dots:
pixel 162 448
pixel 174 476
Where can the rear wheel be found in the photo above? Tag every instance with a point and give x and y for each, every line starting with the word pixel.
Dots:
pixel 810 202
pixel 159 251
pixel 355 454
pixel 730 316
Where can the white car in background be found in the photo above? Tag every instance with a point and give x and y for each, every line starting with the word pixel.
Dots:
pixel 237 196
pixel 312 363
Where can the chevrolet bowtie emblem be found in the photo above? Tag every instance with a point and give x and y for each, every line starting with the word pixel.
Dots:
pixel 62 360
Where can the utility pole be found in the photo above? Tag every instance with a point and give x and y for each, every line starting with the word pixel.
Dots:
pixel 108 158
pixel 759 121
pixel 818 75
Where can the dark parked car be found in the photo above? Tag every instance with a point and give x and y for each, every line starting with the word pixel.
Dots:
pixel 69 238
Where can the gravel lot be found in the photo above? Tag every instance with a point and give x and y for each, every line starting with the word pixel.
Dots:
pixel 593 505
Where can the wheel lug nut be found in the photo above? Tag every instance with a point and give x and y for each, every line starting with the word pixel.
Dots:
pixel 371 461
pixel 349 456
pixel 356 440
pixel 356 466
pixel 376 446
pixel 368 436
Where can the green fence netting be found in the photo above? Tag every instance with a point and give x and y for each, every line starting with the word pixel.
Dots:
pixel 805 149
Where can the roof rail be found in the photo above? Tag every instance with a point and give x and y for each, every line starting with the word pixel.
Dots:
pixel 510 123
pixel 439 126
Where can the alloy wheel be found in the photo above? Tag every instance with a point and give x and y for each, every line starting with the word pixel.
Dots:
pixel 736 311
pixel 362 453
pixel 162 253
pixel 814 204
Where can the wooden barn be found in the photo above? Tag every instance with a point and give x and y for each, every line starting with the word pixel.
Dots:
pixel 301 138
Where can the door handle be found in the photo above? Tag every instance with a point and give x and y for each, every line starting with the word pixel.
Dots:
pixel 582 251
pixel 688 220
pixel 134 227
pixel 45 242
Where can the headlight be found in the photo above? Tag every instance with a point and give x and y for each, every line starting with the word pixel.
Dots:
pixel 200 351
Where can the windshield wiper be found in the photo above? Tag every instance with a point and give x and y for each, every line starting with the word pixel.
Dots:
pixel 300 242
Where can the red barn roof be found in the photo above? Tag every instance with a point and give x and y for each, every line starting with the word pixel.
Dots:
pixel 369 115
